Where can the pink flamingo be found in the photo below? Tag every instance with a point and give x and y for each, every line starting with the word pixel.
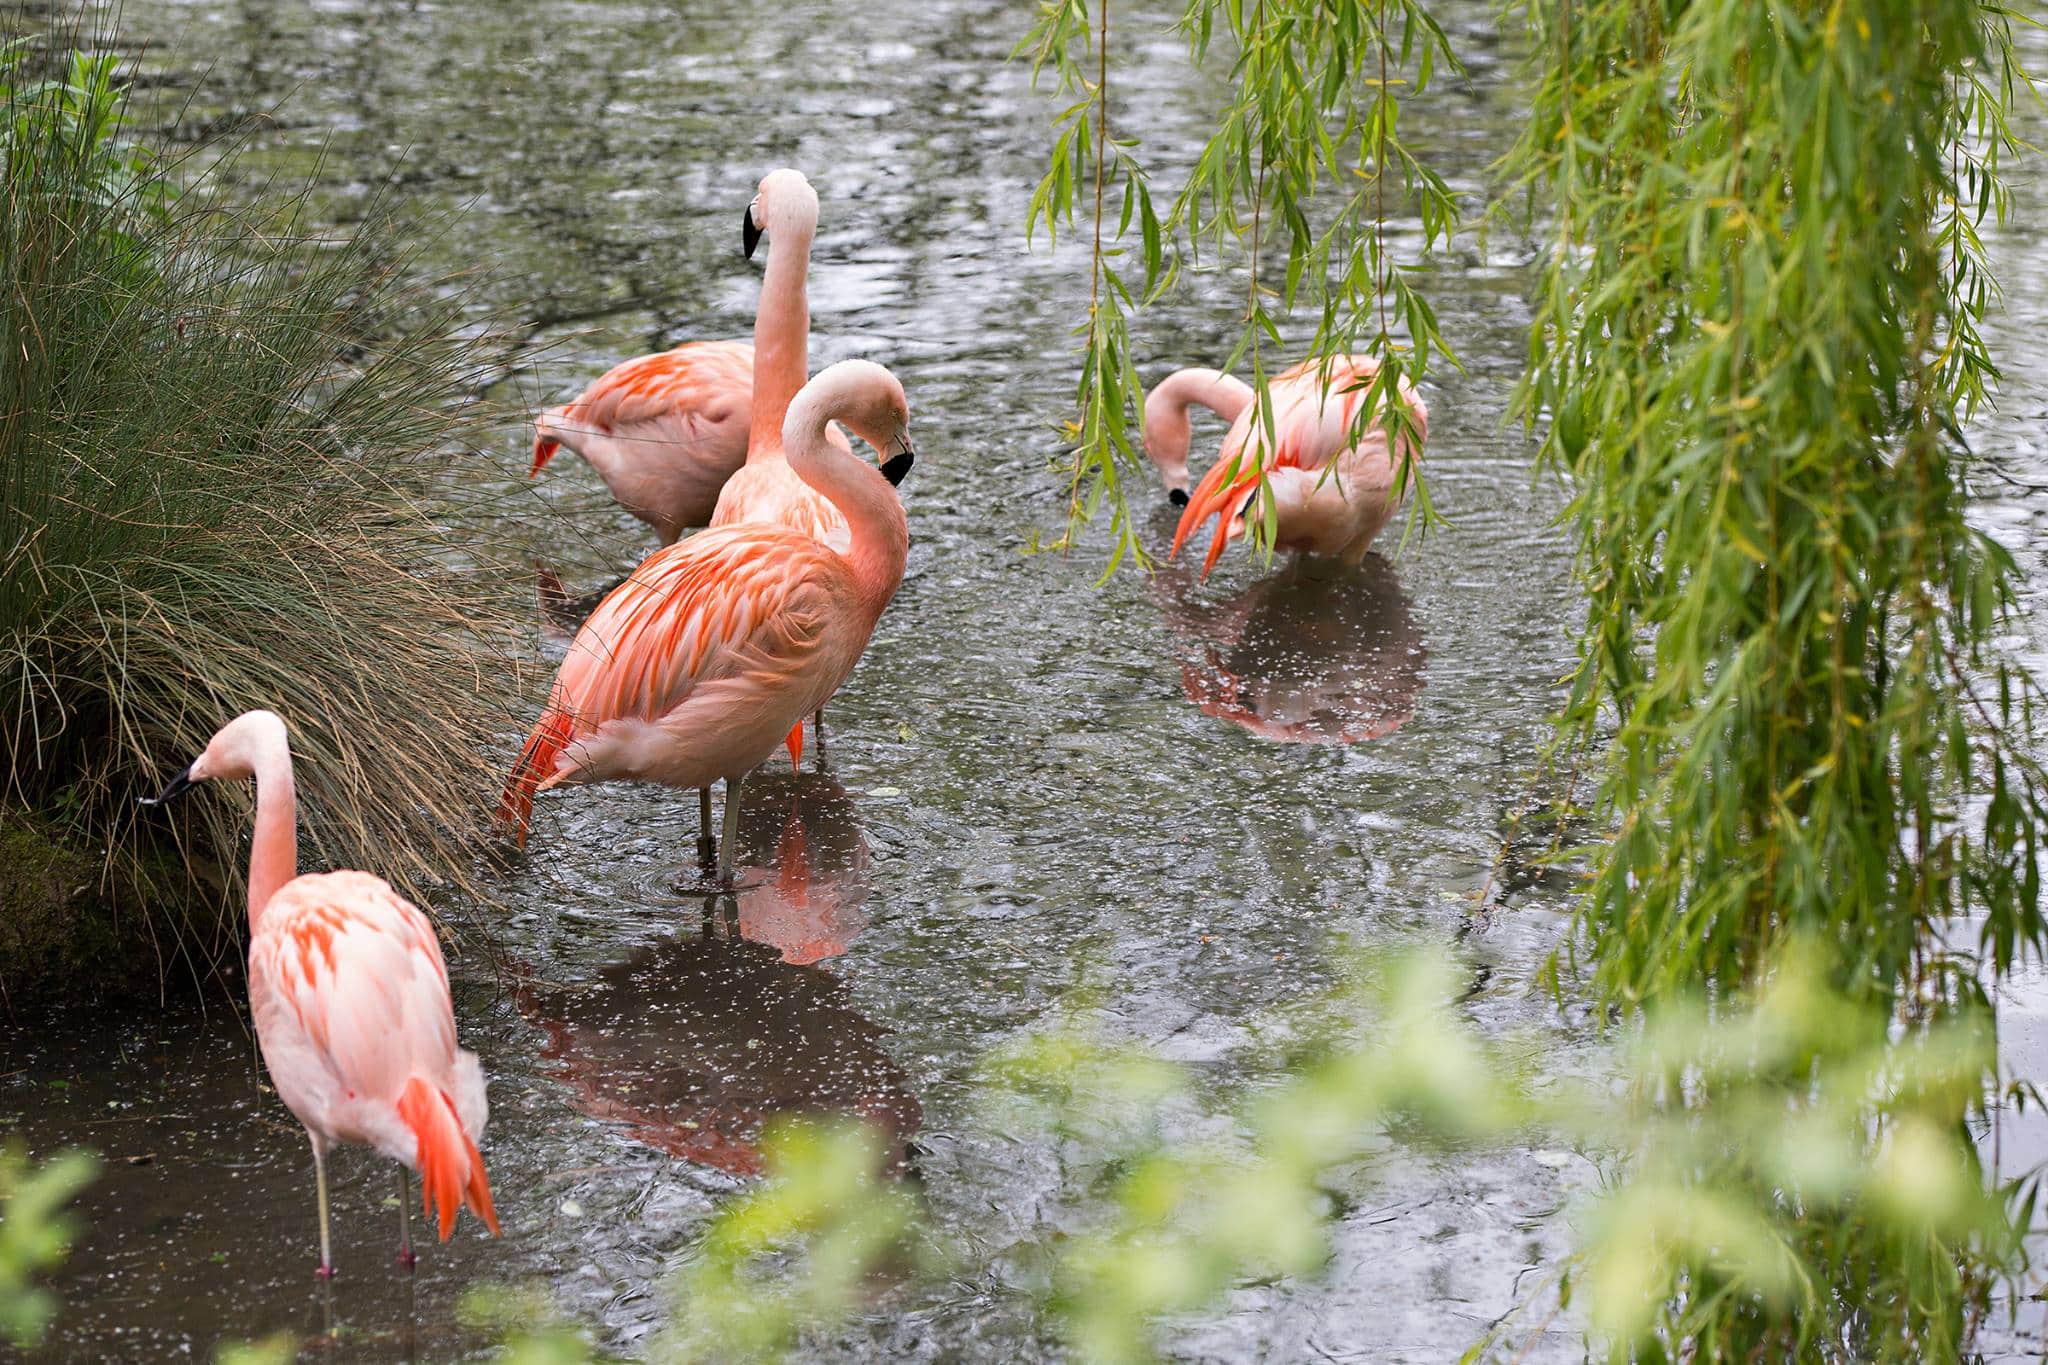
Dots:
pixel 765 489
pixel 663 431
pixel 350 997
pixel 1331 494
pixel 698 665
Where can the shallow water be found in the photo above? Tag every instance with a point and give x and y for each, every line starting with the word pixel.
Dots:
pixel 1182 795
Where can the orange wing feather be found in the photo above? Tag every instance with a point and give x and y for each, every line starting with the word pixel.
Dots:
pixel 721 603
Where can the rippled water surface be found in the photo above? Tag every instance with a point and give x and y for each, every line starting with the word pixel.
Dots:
pixel 1182 794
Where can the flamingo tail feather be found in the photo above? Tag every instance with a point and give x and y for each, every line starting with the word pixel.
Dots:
pixel 451 1169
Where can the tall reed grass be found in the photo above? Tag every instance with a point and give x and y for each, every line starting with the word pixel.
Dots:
pixel 225 440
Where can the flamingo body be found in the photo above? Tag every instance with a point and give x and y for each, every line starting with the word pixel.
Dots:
pixel 664 431
pixel 1317 509
pixel 696 667
pixel 350 997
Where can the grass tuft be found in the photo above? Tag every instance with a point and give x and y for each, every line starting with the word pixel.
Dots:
pixel 225 443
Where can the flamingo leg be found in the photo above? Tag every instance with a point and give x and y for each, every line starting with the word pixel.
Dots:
pixel 818 727
pixel 407 1257
pixel 707 847
pixel 326 1270
pixel 732 831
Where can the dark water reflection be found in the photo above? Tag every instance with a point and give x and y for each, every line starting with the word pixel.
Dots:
pixel 1309 654
pixel 694 1042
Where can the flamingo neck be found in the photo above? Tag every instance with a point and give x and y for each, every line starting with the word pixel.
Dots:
pixel 274 853
pixel 879 536
pixel 782 334
pixel 1168 432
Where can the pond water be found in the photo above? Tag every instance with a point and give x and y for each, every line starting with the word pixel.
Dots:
pixel 1175 794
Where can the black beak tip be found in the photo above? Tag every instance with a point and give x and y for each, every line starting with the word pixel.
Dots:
pixel 897 466
pixel 750 236
pixel 180 784
pixel 1177 496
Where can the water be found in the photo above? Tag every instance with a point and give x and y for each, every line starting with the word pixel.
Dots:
pixel 1034 784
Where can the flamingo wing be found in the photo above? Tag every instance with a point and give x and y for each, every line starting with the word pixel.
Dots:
pixel 670 396
pixel 1314 405
pixel 727 603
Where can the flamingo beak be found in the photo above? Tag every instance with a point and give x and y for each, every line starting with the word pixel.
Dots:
pixel 896 466
pixel 180 784
pixel 750 236
pixel 1177 496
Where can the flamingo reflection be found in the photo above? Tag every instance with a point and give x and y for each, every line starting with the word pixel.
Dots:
pixel 1311 654
pixel 695 1041
pixel 803 882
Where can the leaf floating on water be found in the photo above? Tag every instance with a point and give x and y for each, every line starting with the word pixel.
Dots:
pixel 571 1209
pixel 885 792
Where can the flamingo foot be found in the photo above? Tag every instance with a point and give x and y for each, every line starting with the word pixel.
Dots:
pixel 325 1272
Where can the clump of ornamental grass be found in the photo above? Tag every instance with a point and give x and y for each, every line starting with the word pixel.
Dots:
pixel 224 452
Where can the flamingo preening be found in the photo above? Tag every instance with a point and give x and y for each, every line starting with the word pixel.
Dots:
pixel 699 664
pixel 1316 509
pixel 350 997
pixel 664 431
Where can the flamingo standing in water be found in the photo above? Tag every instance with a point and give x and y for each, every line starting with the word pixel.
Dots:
pixel 698 665
pixel 1317 509
pixel 350 997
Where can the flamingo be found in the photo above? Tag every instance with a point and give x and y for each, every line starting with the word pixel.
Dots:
pixel 350 997
pixel 664 431
pixel 701 662
pixel 765 488
pixel 1331 493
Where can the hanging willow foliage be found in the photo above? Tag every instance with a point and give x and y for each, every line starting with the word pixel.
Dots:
pixel 1758 343
pixel 1310 134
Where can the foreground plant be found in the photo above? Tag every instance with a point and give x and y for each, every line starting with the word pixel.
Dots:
pixel 222 444
pixel 1757 351
pixel 35 1234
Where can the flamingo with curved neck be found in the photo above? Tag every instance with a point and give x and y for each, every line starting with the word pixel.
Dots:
pixel 1333 475
pixel 1169 433
pixel 350 997
pixel 697 666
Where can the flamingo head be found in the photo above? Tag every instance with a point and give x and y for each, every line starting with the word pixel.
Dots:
pixel 233 752
pixel 784 202
pixel 871 402
pixel 1168 434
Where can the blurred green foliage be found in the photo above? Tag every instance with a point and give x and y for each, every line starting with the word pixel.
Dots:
pixel 1797 1181
pixel 35 1234
pixel 1760 1156
pixel 808 1245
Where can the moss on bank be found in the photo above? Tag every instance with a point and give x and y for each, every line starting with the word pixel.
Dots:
pixel 77 926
